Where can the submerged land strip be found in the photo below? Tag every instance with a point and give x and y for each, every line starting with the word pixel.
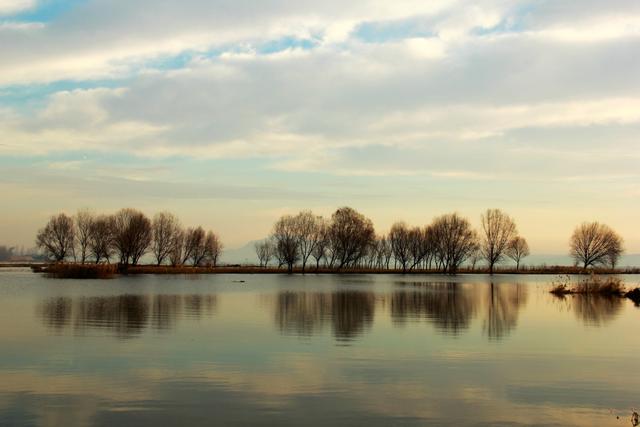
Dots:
pixel 71 270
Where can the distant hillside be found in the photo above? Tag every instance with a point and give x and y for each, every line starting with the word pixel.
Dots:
pixel 243 255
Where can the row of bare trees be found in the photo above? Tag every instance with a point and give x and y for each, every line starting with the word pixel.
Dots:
pixel 127 236
pixel 348 239
pixel 345 240
pixel 342 241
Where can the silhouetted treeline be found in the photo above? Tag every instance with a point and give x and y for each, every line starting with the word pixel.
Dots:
pixel 348 240
pixel 126 237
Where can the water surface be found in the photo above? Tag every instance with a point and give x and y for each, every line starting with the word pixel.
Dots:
pixel 313 350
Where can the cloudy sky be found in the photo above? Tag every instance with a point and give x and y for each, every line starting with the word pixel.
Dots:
pixel 229 113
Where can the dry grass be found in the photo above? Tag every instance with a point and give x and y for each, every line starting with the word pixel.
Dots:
pixel 72 270
pixel 81 271
pixel 556 269
pixel 610 286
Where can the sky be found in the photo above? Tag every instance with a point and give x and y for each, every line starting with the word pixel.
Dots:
pixel 231 113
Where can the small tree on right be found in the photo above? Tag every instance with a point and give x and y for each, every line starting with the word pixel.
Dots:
pixel 517 250
pixel 593 244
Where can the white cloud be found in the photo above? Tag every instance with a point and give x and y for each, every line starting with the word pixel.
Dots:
pixel 596 29
pixel 99 39
pixel 20 26
pixel 8 7
pixel 303 109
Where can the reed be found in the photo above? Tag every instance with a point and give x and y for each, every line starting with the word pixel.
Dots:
pixel 81 271
pixel 609 286
pixel 74 270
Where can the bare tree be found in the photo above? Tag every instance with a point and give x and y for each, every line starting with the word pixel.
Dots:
pixel 474 258
pixel 132 235
pixel 517 250
pixel 499 230
pixel 454 240
pixel 285 238
pixel 322 245
pixel 351 234
pixel 84 222
pixel 594 244
pixel 101 238
pixel 419 246
pixel 265 250
pixel 176 255
pixel 194 246
pixel 57 238
pixel 309 233
pixel 400 239
pixel 386 252
pixel 164 228
pixel 379 252
pixel 213 249
pixel 615 252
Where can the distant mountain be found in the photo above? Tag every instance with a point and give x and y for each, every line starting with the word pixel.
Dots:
pixel 243 255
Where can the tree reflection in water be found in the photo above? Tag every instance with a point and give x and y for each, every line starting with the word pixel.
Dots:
pixel 449 306
pixel 301 313
pixel 352 313
pixel 593 309
pixel 124 315
pixel 502 307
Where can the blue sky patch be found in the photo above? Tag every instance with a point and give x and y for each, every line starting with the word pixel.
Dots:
pixel 47 10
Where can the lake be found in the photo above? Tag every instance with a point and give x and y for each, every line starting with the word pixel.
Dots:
pixel 277 350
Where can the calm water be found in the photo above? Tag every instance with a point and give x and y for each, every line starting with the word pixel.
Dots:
pixel 314 350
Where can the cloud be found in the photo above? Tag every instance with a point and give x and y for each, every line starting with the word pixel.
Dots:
pixel 466 108
pixel 106 39
pixel 8 7
pixel 20 26
pixel 465 98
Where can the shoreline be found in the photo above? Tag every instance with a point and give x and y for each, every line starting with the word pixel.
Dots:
pixel 99 270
